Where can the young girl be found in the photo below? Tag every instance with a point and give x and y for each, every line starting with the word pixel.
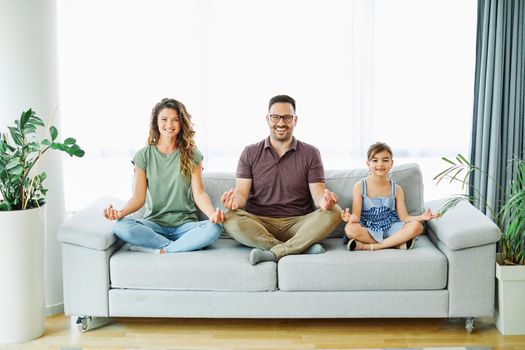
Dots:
pixel 168 178
pixel 379 217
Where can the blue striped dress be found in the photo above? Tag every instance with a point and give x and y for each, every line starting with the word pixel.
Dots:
pixel 379 215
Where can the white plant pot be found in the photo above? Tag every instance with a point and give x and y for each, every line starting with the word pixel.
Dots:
pixel 22 237
pixel 509 313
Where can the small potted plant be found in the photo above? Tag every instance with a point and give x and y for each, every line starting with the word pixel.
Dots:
pixel 510 261
pixel 22 222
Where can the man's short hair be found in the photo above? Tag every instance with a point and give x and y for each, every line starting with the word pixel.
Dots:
pixel 282 98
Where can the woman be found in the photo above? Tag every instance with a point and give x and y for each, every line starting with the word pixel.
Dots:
pixel 168 178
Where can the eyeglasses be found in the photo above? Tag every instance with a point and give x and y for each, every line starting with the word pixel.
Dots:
pixel 287 118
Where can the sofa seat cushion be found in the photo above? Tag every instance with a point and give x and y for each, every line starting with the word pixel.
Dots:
pixel 223 266
pixel 422 268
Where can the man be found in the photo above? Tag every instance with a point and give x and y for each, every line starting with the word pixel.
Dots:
pixel 279 180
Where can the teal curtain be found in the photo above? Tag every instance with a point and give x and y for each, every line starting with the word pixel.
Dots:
pixel 499 101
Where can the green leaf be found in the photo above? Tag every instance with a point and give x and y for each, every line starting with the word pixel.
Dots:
pixel 13 163
pixel 58 146
pixel 30 128
pixel 466 177
pixel 16 172
pixel 15 135
pixel 71 150
pixel 79 153
pixel 54 133
pixel 4 206
pixel 24 118
pixel 462 159
pixel 455 176
pixel 36 121
pixel 70 141
pixel 443 173
pixel 32 147
pixel 45 142
pixel 448 160
pixel 11 148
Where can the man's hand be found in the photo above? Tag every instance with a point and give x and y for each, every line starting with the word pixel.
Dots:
pixel 328 200
pixel 111 213
pixel 228 200
pixel 218 217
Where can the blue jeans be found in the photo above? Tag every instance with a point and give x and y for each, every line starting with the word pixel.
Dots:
pixel 184 238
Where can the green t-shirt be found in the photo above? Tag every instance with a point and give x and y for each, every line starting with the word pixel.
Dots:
pixel 169 199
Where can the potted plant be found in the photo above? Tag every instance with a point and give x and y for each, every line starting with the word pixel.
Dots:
pixel 510 261
pixel 22 222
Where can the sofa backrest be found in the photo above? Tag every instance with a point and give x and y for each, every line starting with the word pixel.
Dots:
pixel 408 176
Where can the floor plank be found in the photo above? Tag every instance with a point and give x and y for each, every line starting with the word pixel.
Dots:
pixel 162 333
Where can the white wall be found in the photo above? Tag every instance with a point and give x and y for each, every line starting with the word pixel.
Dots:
pixel 29 79
pixel 360 70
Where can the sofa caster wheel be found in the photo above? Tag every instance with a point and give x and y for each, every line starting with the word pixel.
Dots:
pixel 469 324
pixel 85 323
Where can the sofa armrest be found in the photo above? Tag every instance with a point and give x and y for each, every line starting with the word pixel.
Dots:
pixel 470 279
pixel 463 226
pixel 88 227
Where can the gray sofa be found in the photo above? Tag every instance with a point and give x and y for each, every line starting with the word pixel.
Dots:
pixel 450 273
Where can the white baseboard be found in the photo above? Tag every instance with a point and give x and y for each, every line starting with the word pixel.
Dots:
pixel 52 310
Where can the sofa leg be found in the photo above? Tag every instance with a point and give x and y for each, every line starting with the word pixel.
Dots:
pixel 85 323
pixel 469 324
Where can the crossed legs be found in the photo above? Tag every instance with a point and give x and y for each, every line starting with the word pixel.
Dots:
pixel 365 241
pixel 186 237
pixel 282 236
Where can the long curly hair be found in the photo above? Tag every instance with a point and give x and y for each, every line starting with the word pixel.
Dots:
pixel 185 141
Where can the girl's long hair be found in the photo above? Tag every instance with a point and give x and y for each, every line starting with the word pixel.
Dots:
pixel 185 141
pixel 376 148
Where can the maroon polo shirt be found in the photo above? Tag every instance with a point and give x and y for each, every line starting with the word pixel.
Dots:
pixel 280 185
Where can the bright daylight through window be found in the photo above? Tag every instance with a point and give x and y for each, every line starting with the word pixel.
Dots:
pixel 361 71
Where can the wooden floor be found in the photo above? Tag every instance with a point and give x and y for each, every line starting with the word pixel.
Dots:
pixel 157 333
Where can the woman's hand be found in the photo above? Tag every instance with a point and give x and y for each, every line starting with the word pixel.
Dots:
pixel 218 217
pixel 111 213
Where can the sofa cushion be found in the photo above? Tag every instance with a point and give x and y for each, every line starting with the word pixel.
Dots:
pixel 223 266
pixel 422 268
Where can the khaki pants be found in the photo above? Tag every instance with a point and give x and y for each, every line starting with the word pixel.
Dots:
pixel 282 236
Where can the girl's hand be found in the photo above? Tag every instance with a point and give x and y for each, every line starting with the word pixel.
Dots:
pixel 218 217
pixel 345 215
pixel 111 213
pixel 428 215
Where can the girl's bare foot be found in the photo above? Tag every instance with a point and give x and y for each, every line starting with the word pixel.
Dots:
pixel 353 245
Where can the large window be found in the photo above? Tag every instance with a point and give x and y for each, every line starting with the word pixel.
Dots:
pixel 361 71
